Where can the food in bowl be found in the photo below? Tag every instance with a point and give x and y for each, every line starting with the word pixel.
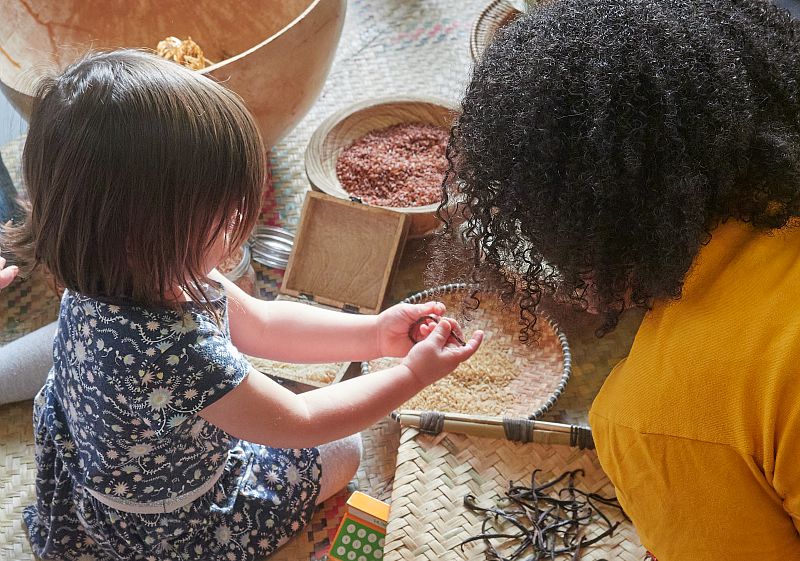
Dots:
pixel 398 166
pixel 186 53
pixel 505 377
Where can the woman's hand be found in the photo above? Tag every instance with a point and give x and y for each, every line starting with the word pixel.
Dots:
pixel 394 324
pixel 7 274
pixel 439 354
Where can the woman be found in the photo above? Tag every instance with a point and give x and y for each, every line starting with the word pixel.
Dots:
pixel 618 153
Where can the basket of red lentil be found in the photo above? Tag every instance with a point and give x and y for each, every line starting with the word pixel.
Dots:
pixel 508 383
pixel 388 152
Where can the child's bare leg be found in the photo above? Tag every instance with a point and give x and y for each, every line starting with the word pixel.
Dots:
pixel 340 460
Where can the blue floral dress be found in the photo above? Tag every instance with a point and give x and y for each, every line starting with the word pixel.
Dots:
pixel 126 467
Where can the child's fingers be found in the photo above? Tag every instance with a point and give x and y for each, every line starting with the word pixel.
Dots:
pixel 440 335
pixel 455 327
pixel 463 353
pixel 429 308
pixel 426 328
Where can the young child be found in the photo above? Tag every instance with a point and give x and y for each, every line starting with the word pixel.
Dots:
pixel 155 439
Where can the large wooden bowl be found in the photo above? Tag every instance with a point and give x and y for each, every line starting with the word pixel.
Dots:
pixel 275 55
pixel 339 131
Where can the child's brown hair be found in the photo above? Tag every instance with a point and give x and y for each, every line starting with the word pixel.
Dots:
pixel 134 166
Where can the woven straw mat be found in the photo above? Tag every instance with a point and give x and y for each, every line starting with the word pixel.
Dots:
pixel 508 378
pixel 18 474
pixel 434 473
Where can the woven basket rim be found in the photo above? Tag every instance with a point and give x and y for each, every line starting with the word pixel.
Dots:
pixel 310 160
pixel 566 369
pixel 483 30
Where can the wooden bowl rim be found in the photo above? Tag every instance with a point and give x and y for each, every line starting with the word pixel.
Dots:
pixel 332 121
pixel 24 87
pixel 285 29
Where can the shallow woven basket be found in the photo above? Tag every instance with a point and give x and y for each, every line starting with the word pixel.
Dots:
pixel 543 368
pixel 342 128
pixel 428 519
pixel 495 16
pixel 317 375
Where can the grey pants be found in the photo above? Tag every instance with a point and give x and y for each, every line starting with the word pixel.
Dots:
pixel 24 364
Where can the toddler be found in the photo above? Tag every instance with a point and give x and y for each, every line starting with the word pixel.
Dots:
pixel 155 438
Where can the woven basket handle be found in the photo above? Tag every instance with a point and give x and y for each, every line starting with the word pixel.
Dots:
pixel 518 430
pixel 524 430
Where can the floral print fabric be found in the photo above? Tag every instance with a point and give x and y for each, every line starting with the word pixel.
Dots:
pixel 118 415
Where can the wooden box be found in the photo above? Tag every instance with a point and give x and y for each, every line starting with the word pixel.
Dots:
pixel 345 253
pixel 344 257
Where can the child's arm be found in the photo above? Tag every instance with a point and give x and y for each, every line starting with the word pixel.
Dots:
pixel 295 332
pixel 261 411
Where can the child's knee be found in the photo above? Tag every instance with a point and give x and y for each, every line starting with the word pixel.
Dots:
pixel 340 460
pixel 347 453
pixel 356 449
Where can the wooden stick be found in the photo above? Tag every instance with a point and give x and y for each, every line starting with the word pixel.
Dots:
pixel 406 415
pixel 475 427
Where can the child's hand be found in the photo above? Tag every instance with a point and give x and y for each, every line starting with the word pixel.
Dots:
pixel 438 355
pixel 394 324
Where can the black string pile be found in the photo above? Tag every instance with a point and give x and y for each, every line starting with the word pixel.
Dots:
pixel 546 521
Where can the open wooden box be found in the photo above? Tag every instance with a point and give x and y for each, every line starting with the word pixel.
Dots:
pixel 344 257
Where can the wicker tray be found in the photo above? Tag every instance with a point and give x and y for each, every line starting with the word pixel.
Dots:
pixel 528 380
pixel 434 473
pixel 496 15
pixel 316 375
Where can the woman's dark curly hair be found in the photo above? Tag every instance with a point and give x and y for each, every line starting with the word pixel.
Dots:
pixel 601 142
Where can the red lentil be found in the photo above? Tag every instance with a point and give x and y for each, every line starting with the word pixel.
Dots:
pixel 398 166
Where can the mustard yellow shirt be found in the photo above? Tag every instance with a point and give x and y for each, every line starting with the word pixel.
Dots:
pixel 699 428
